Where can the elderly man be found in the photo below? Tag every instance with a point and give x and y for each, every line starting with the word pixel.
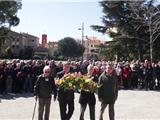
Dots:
pixel 43 91
pixel 65 97
pixel 88 98
pixel 108 93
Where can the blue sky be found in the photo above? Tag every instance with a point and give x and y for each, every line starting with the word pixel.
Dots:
pixel 59 18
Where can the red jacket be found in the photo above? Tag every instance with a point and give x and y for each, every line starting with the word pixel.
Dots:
pixel 125 72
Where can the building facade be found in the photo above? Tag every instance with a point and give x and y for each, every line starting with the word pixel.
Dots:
pixel 91 48
pixel 52 47
pixel 17 42
pixel 29 40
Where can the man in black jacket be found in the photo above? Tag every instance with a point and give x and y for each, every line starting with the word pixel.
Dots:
pixel 43 91
pixel 108 92
pixel 65 97
pixel 88 98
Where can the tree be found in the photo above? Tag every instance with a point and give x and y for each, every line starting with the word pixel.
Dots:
pixel 130 18
pixel 8 51
pixel 115 17
pixel 80 50
pixel 8 17
pixel 150 19
pixel 68 47
pixel 8 13
pixel 3 35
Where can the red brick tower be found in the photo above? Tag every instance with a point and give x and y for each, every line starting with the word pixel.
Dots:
pixel 44 40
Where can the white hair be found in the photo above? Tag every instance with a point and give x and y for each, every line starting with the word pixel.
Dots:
pixel 90 66
pixel 18 65
pixel 46 68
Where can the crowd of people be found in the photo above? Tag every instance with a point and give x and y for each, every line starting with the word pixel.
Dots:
pixel 19 76
pixel 38 76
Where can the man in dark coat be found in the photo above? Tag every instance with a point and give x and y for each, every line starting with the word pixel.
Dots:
pixel 65 97
pixel 43 91
pixel 148 75
pixel 108 92
pixel 88 97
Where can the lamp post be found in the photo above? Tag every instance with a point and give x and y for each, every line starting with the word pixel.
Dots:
pixel 82 39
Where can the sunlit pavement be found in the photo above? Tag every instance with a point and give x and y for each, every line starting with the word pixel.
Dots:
pixel 131 105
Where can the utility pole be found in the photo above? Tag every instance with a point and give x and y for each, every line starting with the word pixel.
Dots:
pixel 82 39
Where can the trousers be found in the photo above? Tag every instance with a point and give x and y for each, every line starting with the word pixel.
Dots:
pixel 111 111
pixel 44 105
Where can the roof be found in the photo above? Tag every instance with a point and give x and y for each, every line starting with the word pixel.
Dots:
pixel 26 34
pixel 93 39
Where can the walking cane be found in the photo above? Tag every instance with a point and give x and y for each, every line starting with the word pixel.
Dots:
pixel 34 109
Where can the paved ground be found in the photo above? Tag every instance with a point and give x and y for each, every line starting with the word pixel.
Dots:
pixel 131 105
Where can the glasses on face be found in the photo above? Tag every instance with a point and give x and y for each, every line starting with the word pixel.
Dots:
pixel 47 71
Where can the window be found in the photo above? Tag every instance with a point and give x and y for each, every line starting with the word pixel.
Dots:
pixel 17 43
pixel 13 46
pixel 13 42
pixel 92 50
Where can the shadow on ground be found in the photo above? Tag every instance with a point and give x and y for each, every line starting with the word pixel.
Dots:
pixel 14 96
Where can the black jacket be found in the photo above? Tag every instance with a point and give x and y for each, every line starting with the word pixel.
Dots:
pixel 44 87
pixel 88 97
pixel 108 92
pixel 64 95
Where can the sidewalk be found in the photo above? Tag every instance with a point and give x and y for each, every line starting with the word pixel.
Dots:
pixel 131 105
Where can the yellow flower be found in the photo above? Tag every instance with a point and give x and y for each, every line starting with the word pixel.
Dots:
pixel 60 82
pixel 68 77
pixel 81 85
pixel 72 75
pixel 88 80
pixel 70 84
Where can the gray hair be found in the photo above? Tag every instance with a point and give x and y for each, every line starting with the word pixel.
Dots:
pixel 89 67
pixel 46 68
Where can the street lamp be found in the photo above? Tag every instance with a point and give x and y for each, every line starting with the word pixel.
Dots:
pixel 82 40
